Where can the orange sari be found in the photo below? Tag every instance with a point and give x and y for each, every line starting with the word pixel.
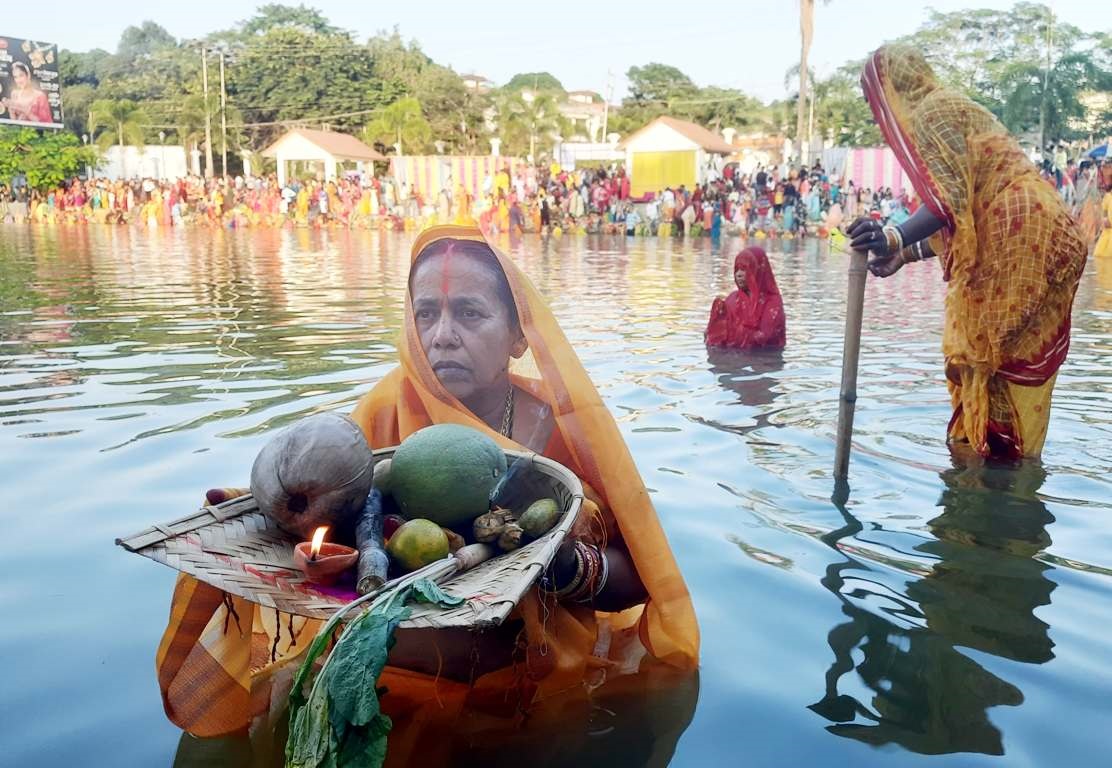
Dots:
pixel 218 673
pixel 1009 249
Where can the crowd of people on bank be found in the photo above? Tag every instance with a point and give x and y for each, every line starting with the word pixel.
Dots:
pixel 777 201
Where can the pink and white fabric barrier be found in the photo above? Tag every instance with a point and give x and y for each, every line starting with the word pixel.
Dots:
pixel 870 167
pixel 428 174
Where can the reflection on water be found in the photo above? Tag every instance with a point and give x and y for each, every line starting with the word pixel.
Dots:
pixel 941 608
pixel 635 721
pixel 980 592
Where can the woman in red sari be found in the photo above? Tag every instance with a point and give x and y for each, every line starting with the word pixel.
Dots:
pixel 752 317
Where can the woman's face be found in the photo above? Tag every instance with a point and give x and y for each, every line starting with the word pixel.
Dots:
pixel 464 327
pixel 740 279
pixel 20 77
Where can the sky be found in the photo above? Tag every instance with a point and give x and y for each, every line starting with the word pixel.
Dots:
pixel 586 44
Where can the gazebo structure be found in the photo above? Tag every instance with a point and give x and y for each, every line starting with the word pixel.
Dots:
pixel 325 147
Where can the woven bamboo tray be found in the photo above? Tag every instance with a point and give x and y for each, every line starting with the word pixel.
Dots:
pixel 235 547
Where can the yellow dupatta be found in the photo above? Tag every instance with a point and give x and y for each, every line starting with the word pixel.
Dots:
pixel 1009 249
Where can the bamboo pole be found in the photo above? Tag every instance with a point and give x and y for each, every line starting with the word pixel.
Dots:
pixel 851 351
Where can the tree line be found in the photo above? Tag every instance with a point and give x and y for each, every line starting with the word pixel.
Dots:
pixel 291 63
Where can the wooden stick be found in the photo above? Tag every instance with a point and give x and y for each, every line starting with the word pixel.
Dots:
pixel 847 399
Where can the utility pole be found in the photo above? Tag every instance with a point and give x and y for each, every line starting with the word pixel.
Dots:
pixel 1046 82
pixel 810 129
pixel 223 120
pixel 208 117
pixel 606 103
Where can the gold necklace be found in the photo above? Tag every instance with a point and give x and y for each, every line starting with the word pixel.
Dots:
pixel 508 416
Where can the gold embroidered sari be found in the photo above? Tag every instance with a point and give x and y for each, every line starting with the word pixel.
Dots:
pixel 1010 251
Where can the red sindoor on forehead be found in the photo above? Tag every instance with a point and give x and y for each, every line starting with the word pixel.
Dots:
pixel 444 279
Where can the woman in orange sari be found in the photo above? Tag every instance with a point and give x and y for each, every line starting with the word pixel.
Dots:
pixel 479 348
pixel 1009 249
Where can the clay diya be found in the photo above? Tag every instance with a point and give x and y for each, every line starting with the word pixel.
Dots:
pixel 323 562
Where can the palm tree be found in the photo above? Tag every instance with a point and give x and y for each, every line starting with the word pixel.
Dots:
pixel 191 120
pixel 125 117
pixel 522 119
pixel 401 123
pixel 806 33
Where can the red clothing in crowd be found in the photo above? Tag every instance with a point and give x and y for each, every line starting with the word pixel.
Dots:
pixel 753 320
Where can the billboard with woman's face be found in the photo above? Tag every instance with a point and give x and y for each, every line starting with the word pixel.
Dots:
pixel 30 93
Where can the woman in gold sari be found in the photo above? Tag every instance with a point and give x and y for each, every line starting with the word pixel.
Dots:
pixel 479 348
pixel 1010 252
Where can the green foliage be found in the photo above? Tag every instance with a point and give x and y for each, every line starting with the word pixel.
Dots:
pixel 46 158
pixel 287 73
pixel 454 113
pixel 340 723
pixel 535 81
pixel 402 124
pixel 1000 59
pixel 657 83
pixel 123 121
pixel 275 15
pixel 528 126
pixel 660 89
pixel 137 42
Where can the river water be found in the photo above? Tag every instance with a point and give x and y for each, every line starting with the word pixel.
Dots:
pixel 944 615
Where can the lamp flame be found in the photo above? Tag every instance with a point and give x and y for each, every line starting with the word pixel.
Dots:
pixel 318 539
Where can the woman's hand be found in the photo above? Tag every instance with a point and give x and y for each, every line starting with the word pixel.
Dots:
pixel 886 266
pixel 867 234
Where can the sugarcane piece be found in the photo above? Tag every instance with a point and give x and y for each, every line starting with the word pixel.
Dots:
pixel 473 554
pixel 373 561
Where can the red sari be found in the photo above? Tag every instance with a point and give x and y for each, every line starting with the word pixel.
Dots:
pixel 753 320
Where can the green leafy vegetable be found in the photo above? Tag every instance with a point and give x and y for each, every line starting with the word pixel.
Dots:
pixel 428 591
pixel 339 723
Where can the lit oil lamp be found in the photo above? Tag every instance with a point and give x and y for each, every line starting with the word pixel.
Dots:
pixel 322 562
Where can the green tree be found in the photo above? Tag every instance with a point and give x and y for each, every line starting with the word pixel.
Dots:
pixel 652 90
pixel 189 122
pixel 658 83
pixel 46 158
pixel 841 113
pixel 528 125
pixel 1017 63
pixel 148 37
pixel 289 74
pixel 77 68
pixel 1049 99
pixel 401 125
pixel 299 17
pixel 76 100
pixel 123 122
pixel 535 81
pixel 454 113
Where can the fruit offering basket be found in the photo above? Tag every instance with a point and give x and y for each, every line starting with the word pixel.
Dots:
pixel 235 547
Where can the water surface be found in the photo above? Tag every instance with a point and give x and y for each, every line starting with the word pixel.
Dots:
pixel 945 614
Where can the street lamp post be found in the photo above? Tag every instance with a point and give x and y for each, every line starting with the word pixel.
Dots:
pixel 88 171
pixel 161 155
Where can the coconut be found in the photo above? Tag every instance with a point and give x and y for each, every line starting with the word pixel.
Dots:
pixel 315 472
